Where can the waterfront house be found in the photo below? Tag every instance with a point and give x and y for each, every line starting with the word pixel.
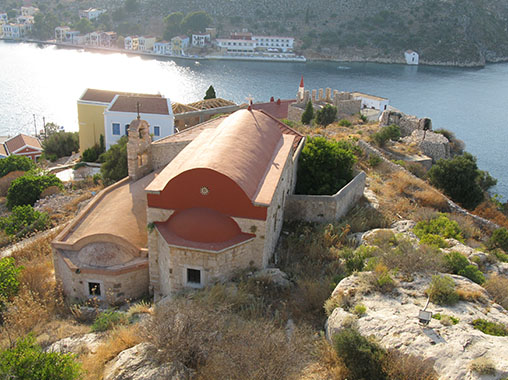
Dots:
pixel 131 43
pixel 411 57
pixel 29 11
pixel 162 48
pixel 91 107
pixel 23 145
pixel 156 111
pixel 201 39
pixel 91 13
pixel 60 33
pixel 273 43
pixel 179 44
pixel 212 197
pixel 15 31
pixel 146 43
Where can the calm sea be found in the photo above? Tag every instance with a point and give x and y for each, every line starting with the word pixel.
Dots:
pixel 46 82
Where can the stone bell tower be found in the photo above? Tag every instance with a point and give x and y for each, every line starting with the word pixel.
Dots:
pixel 139 150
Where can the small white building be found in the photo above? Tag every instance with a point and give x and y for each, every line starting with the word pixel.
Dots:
pixel 60 32
pixel 91 13
pixel 15 31
pixel 25 20
pixel 29 11
pixel 201 39
pixel 74 37
pixel 162 48
pixel 123 109
pixel 371 101
pixel 411 57
pixel 146 43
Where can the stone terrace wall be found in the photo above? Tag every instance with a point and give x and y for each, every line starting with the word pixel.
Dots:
pixel 325 208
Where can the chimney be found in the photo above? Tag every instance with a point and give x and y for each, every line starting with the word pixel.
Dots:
pixel 272 99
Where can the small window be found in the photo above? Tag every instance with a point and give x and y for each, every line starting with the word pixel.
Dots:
pixel 116 128
pixel 94 289
pixel 126 129
pixel 193 276
pixel 157 130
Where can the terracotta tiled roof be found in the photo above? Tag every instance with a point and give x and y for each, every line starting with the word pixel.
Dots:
pixel 207 104
pixel 104 96
pixel 182 108
pixel 20 141
pixel 152 105
pixel 3 151
pixel 278 109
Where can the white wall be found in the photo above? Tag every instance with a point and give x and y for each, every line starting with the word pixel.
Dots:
pixel 378 104
pixel 165 122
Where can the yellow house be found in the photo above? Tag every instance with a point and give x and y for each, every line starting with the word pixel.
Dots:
pixel 91 107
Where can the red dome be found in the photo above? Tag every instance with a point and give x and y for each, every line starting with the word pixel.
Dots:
pixel 203 225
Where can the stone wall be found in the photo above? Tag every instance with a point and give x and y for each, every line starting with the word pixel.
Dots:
pixel 434 145
pixel 406 123
pixel 163 153
pixel 325 208
pixel 348 107
pixel 295 112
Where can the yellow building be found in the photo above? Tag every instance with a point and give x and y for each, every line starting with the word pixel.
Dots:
pixel 91 107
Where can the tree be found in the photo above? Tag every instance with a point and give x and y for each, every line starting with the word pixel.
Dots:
pixel 131 6
pixel 115 167
pixel 173 24
pixel 14 163
pixel 61 144
pixel 9 281
pixel 324 166
pixel 84 26
pixel 24 220
pixel 390 132
pixel 28 361
pixel 44 25
pixel 27 189
pixel 210 93
pixel 326 115
pixel 460 179
pixel 308 114
pixel 196 22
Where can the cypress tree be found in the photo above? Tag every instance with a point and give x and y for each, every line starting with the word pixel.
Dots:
pixel 308 114
pixel 210 93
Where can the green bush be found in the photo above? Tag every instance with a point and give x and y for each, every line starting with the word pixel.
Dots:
pixel 24 220
pixel 390 132
pixel 362 357
pixel 460 179
pixel 108 319
pixel 345 123
pixel 308 114
pixel 9 282
pixel 440 226
pixel 324 166
pixel 326 115
pixel 499 239
pixel 210 93
pixel 457 263
pixel 15 163
pixel 27 361
pixel 61 144
pixel 27 189
pixel 92 154
pixel 435 241
pixel 473 273
pixel 114 167
pixel 374 160
pixel 441 317
pixel 360 309
pixel 442 290
pixel 490 328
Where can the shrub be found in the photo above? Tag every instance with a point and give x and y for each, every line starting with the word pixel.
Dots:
pixel 107 320
pixel 23 220
pixel 445 318
pixel 360 310
pixel 441 227
pixel 114 167
pixel 27 189
pixel 400 366
pixel 390 132
pixel 28 361
pixel 61 144
pixel 442 290
pixel 345 123
pixel 499 239
pixel 308 114
pixel 460 179
pixel 326 115
pixel 483 366
pixel 490 328
pixel 15 163
pixel 9 278
pixel 496 286
pixel 363 357
pixel 92 154
pixel 374 160
pixel 473 273
pixel 435 241
pixel 324 166
pixel 456 146
pixel 458 264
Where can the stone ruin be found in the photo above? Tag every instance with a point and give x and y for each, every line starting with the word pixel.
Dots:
pixel 418 131
pixel 344 101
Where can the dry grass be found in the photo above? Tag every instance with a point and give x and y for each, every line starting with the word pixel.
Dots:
pixel 119 339
pixel 483 366
pixel 327 366
pixel 470 295
pixel 488 210
pixel 7 179
pixel 497 286
pixel 399 366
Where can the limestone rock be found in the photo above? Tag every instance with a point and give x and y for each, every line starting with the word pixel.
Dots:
pixel 393 321
pixel 77 344
pixel 139 363
pixel 273 275
pixel 432 144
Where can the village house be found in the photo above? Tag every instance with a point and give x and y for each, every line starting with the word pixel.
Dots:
pixel 162 48
pixel 196 206
pixel 29 11
pixel 15 31
pixel 411 57
pixel 91 13
pixel 21 145
pixel 131 42
pixel 4 18
pixel 146 43
pixel 179 45
pixel 201 39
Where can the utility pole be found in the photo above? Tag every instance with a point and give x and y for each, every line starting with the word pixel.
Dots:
pixel 35 127
pixel 44 124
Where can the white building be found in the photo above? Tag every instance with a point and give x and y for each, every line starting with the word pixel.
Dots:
pixel 131 43
pixel 201 39
pixel 123 109
pixel 4 17
pixel 91 13
pixel 25 20
pixel 146 43
pixel 162 48
pixel 231 45
pixel 60 32
pixel 283 44
pixel 371 101
pixel 29 11
pixel 15 31
pixel 411 57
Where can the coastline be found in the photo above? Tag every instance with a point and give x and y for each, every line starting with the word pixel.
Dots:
pixel 296 59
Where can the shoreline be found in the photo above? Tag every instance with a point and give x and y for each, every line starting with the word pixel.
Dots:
pixel 296 59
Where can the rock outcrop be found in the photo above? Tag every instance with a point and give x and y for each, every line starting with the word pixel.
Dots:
pixel 407 123
pixel 432 144
pixel 393 320
pixel 139 363
pixel 77 344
